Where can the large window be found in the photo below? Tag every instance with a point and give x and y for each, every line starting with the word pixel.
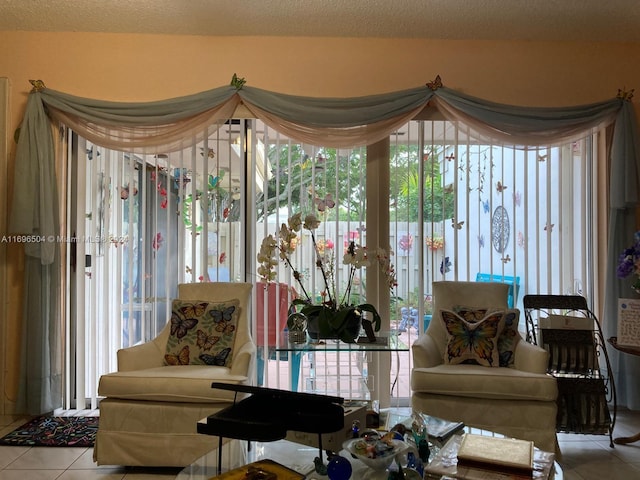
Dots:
pixel 462 209
pixel 459 209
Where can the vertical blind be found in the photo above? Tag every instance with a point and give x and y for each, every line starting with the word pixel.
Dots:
pixel 459 209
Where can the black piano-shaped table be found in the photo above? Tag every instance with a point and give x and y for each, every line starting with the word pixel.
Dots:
pixel 267 414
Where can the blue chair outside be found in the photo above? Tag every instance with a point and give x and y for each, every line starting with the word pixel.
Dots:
pixel 295 364
pixel 514 284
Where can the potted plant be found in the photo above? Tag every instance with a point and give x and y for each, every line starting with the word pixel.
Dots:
pixel 629 263
pixel 333 314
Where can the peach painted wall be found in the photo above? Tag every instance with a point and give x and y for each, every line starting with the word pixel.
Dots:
pixel 151 67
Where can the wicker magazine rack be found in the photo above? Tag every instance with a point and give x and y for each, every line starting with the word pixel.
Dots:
pixel 566 327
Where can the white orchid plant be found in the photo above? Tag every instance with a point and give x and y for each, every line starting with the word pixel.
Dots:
pixel 334 309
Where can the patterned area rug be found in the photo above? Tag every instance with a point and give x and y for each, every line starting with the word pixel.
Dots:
pixel 48 431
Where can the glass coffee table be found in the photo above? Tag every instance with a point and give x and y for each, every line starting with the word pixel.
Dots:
pixel 353 386
pixel 297 457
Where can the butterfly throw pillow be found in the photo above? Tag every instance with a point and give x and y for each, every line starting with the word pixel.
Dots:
pixel 509 337
pixel 472 342
pixel 202 332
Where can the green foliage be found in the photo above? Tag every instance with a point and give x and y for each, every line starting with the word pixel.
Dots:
pixel 297 179
pixel 438 204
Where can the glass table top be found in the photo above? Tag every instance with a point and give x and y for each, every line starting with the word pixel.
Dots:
pixel 385 342
pixel 300 458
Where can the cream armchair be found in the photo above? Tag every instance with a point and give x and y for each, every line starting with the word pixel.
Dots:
pixel 518 401
pixel 150 410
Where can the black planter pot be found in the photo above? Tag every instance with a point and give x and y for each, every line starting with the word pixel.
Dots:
pixel 348 331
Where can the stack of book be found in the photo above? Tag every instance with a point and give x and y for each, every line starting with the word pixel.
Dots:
pixel 478 457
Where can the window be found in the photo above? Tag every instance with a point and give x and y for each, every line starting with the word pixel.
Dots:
pixel 462 209
pixel 459 209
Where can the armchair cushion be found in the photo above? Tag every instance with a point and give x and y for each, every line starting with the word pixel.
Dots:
pixel 476 381
pixel 190 384
pixel 202 332
pixel 472 342
pixel 508 337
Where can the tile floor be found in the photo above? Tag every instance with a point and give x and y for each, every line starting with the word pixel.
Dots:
pixel 584 457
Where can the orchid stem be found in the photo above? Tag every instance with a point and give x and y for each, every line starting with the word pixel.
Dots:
pixel 320 265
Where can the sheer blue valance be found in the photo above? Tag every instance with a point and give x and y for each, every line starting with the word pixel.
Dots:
pixel 164 126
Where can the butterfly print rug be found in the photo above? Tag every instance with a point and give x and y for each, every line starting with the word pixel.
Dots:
pixel 47 431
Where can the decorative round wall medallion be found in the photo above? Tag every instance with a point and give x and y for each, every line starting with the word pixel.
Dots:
pixel 500 229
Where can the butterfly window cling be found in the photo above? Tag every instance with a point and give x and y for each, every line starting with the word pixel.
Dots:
pixel 323 203
pixel 157 242
pixel 181 178
pixel 445 266
pixel 125 192
pixel 517 198
pixel 457 225
pixel 485 205
pixel 405 243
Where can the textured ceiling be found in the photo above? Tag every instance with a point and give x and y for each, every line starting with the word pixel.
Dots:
pixel 581 20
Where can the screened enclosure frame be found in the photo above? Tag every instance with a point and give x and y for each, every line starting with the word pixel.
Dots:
pixel 154 127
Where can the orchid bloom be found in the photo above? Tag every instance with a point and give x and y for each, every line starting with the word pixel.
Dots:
pixel 311 222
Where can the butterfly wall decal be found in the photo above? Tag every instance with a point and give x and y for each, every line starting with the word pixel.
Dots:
pixel 506 259
pixel 219 359
pixel 500 187
pixel 481 240
pixel 435 84
pixel 542 158
pixel 485 205
pixel 182 358
pixel 476 340
pixel 549 227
